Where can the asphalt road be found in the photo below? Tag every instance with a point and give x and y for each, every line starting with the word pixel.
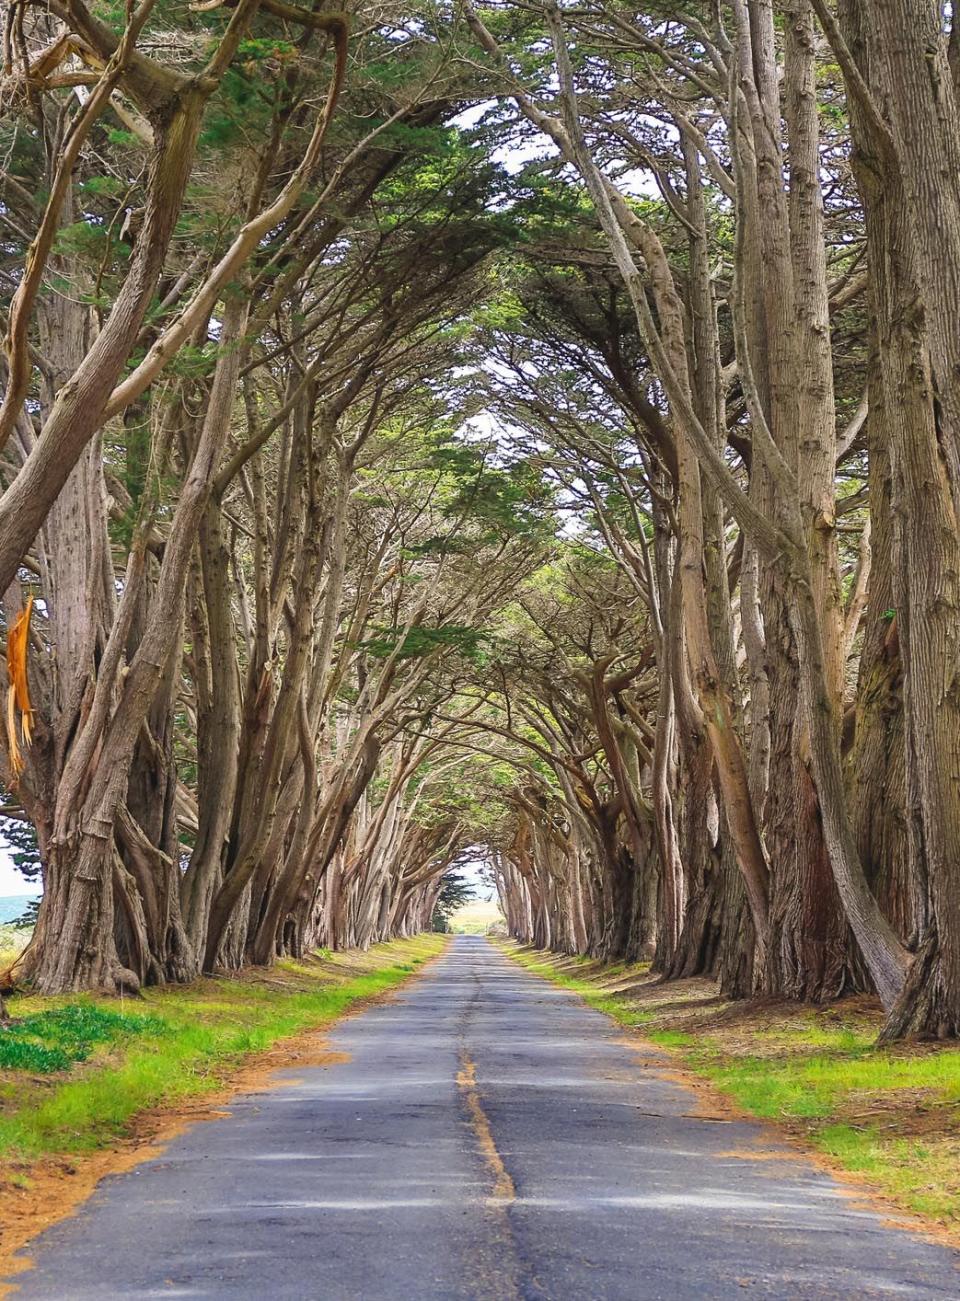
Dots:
pixel 489 1138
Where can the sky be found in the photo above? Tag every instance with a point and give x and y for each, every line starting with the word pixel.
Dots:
pixel 11 882
pixel 481 889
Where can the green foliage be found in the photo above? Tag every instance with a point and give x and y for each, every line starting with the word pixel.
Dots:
pixel 195 362
pixel 121 139
pixel 505 311
pixel 419 641
pixel 238 106
pixel 109 186
pixel 256 52
pixel 86 240
pixel 52 1041
pixel 18 1054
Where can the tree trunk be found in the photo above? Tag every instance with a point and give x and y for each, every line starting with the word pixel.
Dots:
pixel 915 281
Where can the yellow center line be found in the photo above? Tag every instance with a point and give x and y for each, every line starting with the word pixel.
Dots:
pixel 504 1191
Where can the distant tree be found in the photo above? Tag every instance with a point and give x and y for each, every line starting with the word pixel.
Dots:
pixel 21 839
pixel 455 890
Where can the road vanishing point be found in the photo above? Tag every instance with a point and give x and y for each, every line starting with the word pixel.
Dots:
pixel 486 1136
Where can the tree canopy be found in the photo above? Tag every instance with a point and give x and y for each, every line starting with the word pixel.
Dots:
pixel 525 435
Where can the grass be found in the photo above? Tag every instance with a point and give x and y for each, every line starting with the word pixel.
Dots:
pixel 75 1072
pixel 890 1115
pixel 51 1041
pixel 13 940
pixel 476 917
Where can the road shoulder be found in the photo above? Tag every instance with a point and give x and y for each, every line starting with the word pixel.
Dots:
pixel 885 1122
pixel 206 1044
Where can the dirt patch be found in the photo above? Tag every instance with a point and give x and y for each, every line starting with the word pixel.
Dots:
pixel 910 1113
pixel 706 1102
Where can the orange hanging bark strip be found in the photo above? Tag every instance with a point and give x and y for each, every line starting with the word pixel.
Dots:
pixel 18 695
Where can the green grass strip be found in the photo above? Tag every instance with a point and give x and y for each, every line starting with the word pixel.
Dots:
pixel 176 1042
